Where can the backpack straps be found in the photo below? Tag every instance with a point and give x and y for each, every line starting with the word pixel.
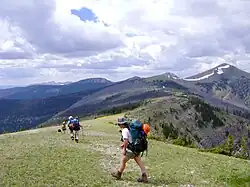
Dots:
pixel 143 152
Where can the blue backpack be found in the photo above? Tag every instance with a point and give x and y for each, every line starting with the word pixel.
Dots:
pixel 76 123
pixel 139 138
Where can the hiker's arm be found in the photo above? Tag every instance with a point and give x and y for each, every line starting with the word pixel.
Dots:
pixel 125 136
pixel 125 144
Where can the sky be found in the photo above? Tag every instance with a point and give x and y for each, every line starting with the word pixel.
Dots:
pixel 62 40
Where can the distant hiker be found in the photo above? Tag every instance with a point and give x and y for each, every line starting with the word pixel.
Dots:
pixel 74 127
pixel 64 126
pixel 70 126
pixel 134 143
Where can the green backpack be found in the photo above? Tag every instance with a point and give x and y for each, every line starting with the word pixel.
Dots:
pixel 139 138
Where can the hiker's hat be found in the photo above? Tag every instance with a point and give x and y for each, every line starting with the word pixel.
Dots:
pixel 121 121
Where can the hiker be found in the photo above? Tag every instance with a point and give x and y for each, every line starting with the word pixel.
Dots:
pixel 70 126
pixel 74 127
pixel 64 126
pixel 128 150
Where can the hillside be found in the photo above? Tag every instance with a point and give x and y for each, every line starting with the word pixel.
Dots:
pixel 128 93
pixel 44 157
pixel 188 120
pixel 29 110
pixel 224 86
pixel 19 115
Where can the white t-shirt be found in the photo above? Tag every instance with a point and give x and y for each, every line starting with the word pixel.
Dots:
pixel 126 134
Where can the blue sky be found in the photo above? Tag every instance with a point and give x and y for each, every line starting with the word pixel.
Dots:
pixel 85 14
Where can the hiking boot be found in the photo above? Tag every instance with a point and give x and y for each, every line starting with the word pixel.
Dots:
pixel 117 175
pixel 143 178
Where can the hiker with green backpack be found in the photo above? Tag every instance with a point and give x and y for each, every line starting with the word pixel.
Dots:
pixel 134 135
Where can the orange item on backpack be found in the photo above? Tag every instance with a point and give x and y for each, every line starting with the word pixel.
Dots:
pixel 146 128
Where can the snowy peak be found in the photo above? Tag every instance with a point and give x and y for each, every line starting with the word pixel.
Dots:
pixel 170 75
pixel 163 77
pixel 218 70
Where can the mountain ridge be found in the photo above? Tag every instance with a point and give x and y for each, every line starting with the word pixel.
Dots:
pixel 90 96
pixel 38 91
pixel 207 73
pixel 219 70
pixel 230 84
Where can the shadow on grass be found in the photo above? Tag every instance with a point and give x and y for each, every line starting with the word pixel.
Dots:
pixel 152 181
pixel 130 177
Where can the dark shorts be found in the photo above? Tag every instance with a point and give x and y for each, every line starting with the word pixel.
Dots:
pixel 76 128
pixel 71 128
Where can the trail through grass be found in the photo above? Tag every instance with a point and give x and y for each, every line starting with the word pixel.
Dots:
pixel 44 157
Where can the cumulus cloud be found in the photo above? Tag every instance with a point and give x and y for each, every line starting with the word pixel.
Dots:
pixel 69 40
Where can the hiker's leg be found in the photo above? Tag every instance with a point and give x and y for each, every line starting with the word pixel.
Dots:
pixel 140 164
pixel 143 177
pixel 123 161
pixel 76 133
pixel 72 134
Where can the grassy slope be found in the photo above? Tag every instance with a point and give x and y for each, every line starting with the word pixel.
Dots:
pixel 45 157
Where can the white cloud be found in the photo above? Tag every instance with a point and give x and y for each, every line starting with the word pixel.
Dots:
pixel 43 41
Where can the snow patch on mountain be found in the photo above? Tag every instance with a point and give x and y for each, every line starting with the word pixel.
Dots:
pixel 200 78
pixel 217 70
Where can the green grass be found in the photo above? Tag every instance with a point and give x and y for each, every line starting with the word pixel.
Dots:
pixel 45 157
